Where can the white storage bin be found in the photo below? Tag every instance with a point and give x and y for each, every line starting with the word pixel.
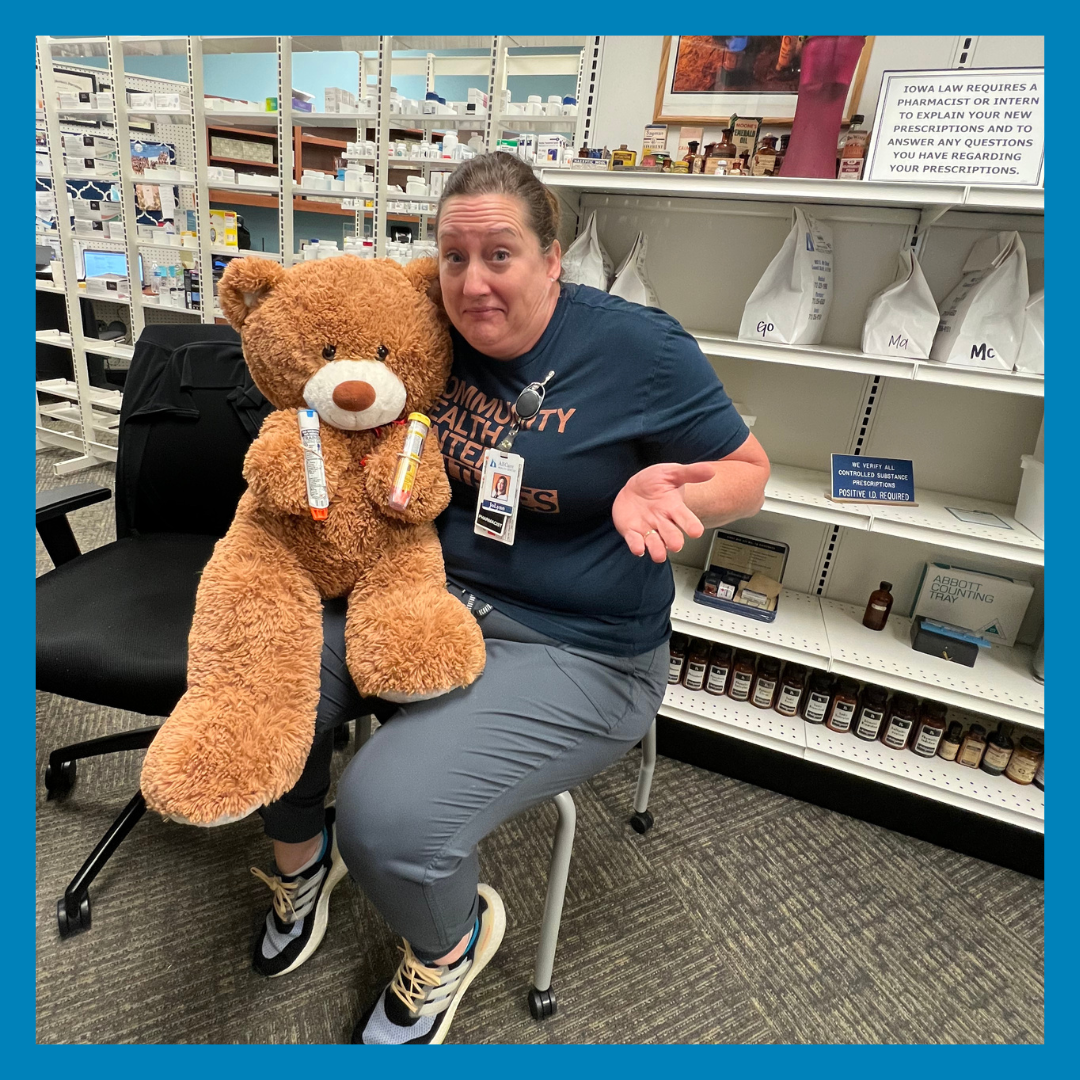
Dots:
pixel 1029 505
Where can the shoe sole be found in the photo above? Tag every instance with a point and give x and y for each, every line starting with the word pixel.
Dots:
pixel 337 871
pixel 486 947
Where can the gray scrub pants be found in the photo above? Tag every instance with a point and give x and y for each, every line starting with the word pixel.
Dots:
pixel 440 775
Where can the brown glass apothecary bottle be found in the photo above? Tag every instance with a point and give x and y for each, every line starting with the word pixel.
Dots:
pixel 677 650
pixel 871 714
pixel 972 747
pixel 949 746
pixel 766 681
pixel 1026 761
pixel 742 677
pixel 697 660
pixel 899 720
pixel 845 702
pixel 878 607
pixel 791 690
pixel 716 679
pixel 816 704
pixel 930 729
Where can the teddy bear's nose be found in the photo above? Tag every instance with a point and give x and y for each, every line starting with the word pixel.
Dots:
pixel 354 395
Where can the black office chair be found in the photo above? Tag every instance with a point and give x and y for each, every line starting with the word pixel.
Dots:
pixel 112 624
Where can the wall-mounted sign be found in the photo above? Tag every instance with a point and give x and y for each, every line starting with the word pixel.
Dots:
pixel 872 480
pixel 973 126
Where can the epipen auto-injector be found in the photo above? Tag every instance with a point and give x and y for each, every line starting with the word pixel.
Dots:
pixel 314 472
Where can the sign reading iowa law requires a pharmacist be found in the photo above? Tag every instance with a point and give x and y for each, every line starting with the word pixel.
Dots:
pixel 872 480
pixel 975 126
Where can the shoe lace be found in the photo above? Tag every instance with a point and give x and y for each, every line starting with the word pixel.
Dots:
pixel 283 894
pixel 413 980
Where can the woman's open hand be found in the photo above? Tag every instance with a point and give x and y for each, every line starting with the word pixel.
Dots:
pixel 651 512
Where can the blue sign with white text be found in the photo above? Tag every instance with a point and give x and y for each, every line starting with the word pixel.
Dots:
pixel 870 479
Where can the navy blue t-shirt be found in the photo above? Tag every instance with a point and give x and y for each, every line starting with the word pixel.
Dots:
pixel 631 388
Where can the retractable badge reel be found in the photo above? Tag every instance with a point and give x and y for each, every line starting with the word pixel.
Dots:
pixel 525 408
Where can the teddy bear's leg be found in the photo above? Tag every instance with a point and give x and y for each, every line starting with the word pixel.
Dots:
pixel 406 637
pixel 240 735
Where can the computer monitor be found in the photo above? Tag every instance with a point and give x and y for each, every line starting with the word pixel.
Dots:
pixel 96 262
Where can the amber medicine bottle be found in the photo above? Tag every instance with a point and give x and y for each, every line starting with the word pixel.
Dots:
pixel 677 652
pixel 816 706
pixel 899 721
pixel 971 749
pixel 845 701
pixel 716 679
pixel 929 730
pixel 999 748
pixel 767 679
pixel 1026 761
pixel 742 677
pixel 949 746
pixel 791 690
pixel 878 608
pixel 871 713
pixel 697 660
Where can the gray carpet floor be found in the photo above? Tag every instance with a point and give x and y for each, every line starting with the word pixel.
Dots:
pixel 742 917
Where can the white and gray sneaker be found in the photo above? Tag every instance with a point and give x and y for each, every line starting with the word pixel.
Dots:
pixel 419 1004
pixel 296 922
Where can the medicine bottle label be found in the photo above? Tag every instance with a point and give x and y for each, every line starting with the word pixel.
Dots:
pixel 927 742
pixel 717 679
pixel 695 675
pixel 842 715
pixel 816 707
pixel 996 757
pixel 1023 769
pixel 740 685
pixel 897 733
pixel 869 723
pixel 763 696
pixel 788 705
pixel 675 666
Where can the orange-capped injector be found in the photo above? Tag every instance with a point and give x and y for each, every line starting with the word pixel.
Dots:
pixel 409 460
pixel 314 472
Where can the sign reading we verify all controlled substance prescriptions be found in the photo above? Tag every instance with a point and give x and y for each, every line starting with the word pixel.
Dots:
pixel 979 126
pixel 872 480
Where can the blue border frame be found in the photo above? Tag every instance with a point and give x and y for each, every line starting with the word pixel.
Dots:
pixel 607 17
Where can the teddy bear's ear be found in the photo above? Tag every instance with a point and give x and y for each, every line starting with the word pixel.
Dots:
pixel 245 284
pixel 423 275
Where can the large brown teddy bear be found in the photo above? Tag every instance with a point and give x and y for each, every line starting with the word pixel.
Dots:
pixel 364 344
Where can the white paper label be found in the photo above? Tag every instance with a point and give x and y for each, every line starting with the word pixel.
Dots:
pixel 869 723
pixel 740 685
pixel 816 707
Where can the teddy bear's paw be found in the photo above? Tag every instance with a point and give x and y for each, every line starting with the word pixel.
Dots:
pixel 225 819
pixel 400 698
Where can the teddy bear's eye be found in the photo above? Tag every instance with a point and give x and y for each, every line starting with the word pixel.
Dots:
pixel 329 352
pixel 382 352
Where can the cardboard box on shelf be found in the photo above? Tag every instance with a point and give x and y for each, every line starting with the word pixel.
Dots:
pixel 989 605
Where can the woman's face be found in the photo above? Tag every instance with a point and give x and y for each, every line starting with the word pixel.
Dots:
pixel 498 288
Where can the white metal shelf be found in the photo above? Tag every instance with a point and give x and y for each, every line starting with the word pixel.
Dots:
pixel 527 124
pixel 47 286
pixel 111 400
pixel 935 778
pixel 799 190
pixel 801 493
pixel 797 634
pixel 238 119
pixel 837 358
pixel 70 414
pixel 999 685
pixel 746 718
pixel 253 189
pixel 59 338
pixel 823 633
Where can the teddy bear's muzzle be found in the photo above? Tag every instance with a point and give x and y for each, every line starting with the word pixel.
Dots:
pixel 354 395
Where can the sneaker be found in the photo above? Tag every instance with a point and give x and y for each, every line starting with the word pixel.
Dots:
pixel 296 921
pixel 419 1004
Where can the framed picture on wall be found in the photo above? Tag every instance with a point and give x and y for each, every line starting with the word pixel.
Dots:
pixel 708 79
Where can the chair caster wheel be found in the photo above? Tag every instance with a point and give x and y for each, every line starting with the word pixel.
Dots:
pixel 642 821
pixel 542 1003
pixel 72 924
pixel 341 736
pixel 59 781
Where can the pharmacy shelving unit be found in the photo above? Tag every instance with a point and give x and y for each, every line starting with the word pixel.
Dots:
pixel 710 239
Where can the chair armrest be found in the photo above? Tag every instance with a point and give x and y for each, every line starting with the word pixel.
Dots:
pixel 52 509
pixel 56 502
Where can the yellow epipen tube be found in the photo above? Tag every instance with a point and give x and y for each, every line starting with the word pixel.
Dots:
pixel 314 472
pixel 409 460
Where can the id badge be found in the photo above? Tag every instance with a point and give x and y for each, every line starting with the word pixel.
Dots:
pixel 500 486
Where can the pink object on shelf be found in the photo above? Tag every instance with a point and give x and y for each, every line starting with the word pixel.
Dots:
pixel 828 65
